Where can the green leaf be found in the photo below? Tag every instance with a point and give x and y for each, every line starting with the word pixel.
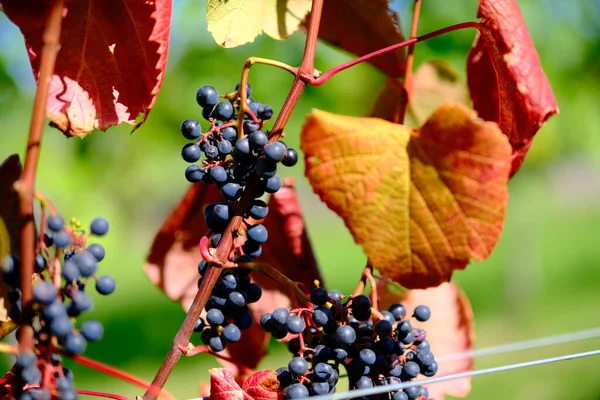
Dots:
pixel 236 22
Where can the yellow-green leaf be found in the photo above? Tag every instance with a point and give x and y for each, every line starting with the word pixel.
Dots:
pixel 233 23
pixel 421 202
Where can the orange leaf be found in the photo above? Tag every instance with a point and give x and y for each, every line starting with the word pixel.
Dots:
pixel 111 62
pixel 449 331
pixel 506 80
pixel 378 27
pixel 419 209
pixel 261 385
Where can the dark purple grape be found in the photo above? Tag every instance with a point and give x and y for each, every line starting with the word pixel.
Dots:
pixel 298 366
pixel 364 382
pixel 273 184
pixel 223 111
pixel 75 343
pixel 345 334
pixel 291 158
pixel 411 369
pixel 191 129
pixel 55 223
pixel 275 151
pixel 207 96
pixel 296 391
pixel 97 250
pixel 422 313
pixel 231 333
pixel 105 285
pixel 323 371
pixel 295 324
pixel 190 152
pixel 193 173
pixel 383 328
pixel 258 210
pixel 92 331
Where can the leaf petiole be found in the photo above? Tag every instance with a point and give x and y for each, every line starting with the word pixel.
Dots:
pixel 279 277
pixel 318 81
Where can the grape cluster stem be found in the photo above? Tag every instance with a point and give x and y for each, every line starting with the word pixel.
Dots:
pixel 25 186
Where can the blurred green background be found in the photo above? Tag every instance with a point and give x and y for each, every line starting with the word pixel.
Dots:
pixel 543 278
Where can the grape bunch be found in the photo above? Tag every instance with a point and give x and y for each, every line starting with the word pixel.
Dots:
pixel 227 312
pixel 230 159
pixel 375 348
pixel 64 267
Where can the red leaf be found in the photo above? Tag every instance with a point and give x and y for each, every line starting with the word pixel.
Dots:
pixel 505 77
pixel 362 27
pixel 223 385
pixel 262 385
pixel 6 383
pixel 449 331
pixel 111 62
pixel 174 256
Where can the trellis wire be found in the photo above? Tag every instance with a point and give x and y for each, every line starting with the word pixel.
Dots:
pixel 393 388
pixel 501 349
pixel 524 345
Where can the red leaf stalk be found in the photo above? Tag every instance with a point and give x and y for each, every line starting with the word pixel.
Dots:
pixel 101 394
pixel 117 373
pixel 318 81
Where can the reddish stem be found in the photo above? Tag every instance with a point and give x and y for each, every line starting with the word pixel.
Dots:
pixel 309 77
pixel 116 373
pixel 410 57
pixel 184 333
pixel 26 183
pixel 101 394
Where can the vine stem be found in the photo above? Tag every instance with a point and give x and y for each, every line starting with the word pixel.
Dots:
pixel 311 79
pixel 210 278
pixel 101 394
pixel 410 58
pixel 115 372
pixel 25 186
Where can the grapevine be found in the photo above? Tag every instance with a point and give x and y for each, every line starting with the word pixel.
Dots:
pixel 422 200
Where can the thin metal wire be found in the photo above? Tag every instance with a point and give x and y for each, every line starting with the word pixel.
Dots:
pixel 393 388
pixel 523 345
pixel 518 346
